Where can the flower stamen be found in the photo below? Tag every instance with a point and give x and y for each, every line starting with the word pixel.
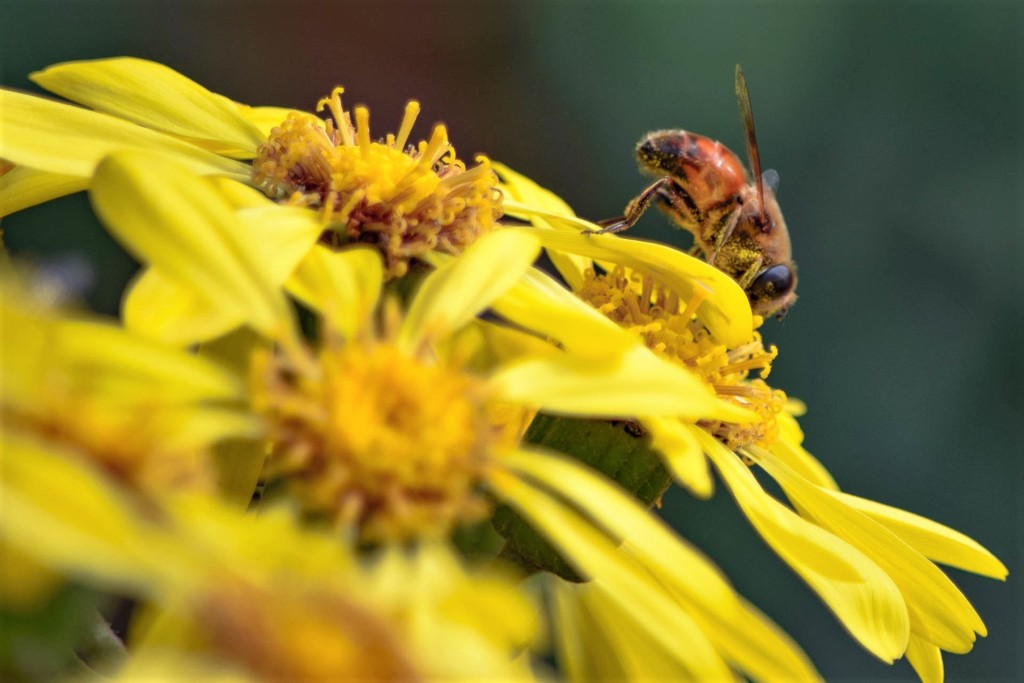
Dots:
pixel 338 114
pixel 432 151
pixel 412 111
pixel 696 299
pixel 363 129
pixel 639 303
pixel 406 199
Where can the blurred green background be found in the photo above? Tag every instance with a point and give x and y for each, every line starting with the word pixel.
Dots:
pixel 895 129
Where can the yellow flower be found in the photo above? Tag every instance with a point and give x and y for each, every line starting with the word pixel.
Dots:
pixel 406 199
pixel 870 563
pixel 385 428
pixel 255 598
pixel 145 414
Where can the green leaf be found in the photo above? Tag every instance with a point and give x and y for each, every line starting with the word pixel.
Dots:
pixel 40 644
pixel 619 450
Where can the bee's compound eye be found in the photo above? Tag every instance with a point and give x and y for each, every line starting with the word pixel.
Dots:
pixel 771 283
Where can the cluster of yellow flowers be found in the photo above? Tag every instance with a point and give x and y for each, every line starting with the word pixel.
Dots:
pixel 346 430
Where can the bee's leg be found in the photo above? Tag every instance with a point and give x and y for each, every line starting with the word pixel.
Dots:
pixel 724 234
pixel 611 225
pixel 638 206
pixel 750 273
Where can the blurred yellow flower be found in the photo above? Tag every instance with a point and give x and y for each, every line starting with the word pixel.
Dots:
pixel 256 598
pixel 144 413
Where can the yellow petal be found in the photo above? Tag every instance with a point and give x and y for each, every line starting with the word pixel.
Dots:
pixel 521 189
pixel 160 664
pixel 184 228
pixel 935 541
pixel 864 597
pixel 455 293
pixel 557 219
pixel 63 514
pixel 343 286
pixel 793 454
pixel 66 140
pixel 938 611
pixel 681 453
pixel 583 648
pixel 239 464
pixel 238 195
pixel 25 356
pixel 154 96
pixel 278 238
pixel 622 518
pixel 630 654
pixel 636 382
pixel 25 584
pixel 538 303
pixel 594 555
pixel 239 461
pixel 495 593
pixel 261 548
pixel 104 358
pixel 159 308
pixel 926 660
pixel 744 636
pixel 726 313
pixel 195 428
pixel 482 346
pixel 22 187
pixel 445 598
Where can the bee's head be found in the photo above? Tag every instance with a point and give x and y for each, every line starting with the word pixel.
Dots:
pixel 660 152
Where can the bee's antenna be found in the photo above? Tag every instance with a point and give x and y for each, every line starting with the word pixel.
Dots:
pixel 743 97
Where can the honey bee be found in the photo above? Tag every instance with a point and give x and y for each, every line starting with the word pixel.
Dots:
pixel 737 225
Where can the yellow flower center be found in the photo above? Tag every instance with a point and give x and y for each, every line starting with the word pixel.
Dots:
pixel 302 636
pixel 670 329
pixel 128 445
pixel 375 440
pixel 407 200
